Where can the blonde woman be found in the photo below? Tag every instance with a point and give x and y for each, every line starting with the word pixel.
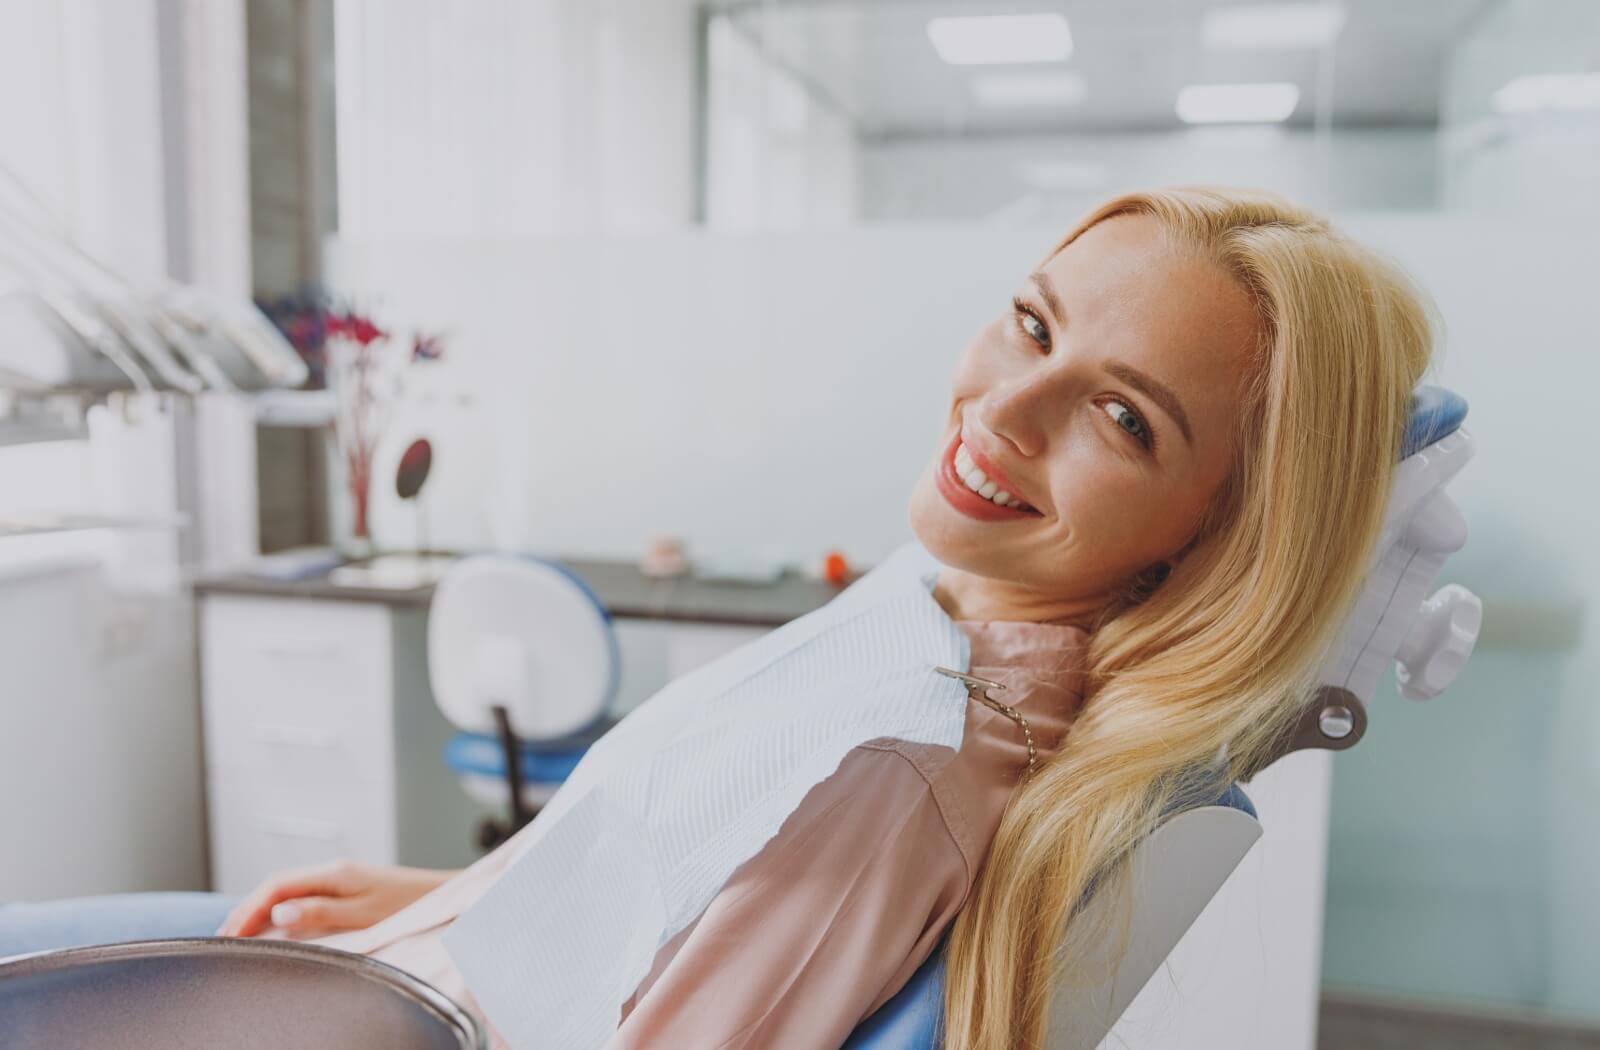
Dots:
pixel 1162 472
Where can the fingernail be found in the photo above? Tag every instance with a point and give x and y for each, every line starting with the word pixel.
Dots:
pixel 285 914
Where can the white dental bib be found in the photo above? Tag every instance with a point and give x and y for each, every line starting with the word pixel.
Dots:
pixel 665 807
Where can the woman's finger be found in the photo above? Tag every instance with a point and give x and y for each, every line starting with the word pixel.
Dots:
pixel 308 914
pixel 253 914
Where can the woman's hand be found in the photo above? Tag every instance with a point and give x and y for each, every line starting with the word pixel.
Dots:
pixel 339 896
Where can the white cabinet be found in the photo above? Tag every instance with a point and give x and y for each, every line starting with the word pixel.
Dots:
pixel 322 740
pixel 100 780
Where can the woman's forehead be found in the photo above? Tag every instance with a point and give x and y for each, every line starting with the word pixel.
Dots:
pixel 1125 282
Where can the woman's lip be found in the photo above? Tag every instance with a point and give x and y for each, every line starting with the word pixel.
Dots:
pixel 990 471
pixel 963 499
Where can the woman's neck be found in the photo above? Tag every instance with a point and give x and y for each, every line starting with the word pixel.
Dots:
pixel 966 596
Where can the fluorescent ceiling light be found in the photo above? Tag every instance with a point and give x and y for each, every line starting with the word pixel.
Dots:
pixel 992 40
pixel 1273 25
pixel 1029 89
pixel 1237 103
pixel 1064 174
pixel 1548 91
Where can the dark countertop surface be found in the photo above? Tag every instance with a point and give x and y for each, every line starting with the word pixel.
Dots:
pixel 621 587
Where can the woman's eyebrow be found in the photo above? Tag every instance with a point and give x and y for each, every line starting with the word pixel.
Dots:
pixel 1161 395
pixel 1048 294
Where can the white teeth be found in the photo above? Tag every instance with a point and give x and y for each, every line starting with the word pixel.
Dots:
pixel 979 482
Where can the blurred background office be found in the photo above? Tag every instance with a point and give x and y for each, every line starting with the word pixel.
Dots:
pixel 651 276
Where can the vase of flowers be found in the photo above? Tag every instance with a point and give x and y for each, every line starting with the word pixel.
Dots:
pixel 367 367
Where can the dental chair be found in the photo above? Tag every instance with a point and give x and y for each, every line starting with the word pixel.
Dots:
pixel 529 700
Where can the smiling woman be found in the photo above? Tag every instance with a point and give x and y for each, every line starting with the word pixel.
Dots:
pixel 1178 439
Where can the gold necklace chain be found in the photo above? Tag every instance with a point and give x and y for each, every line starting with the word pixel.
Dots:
pixel 978 689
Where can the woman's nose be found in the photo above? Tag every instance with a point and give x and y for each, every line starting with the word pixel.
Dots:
pixel 1017 410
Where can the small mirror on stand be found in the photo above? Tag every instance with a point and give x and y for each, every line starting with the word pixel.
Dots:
pixel 404 571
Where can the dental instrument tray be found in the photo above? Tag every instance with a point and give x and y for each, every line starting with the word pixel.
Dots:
pixel 211 992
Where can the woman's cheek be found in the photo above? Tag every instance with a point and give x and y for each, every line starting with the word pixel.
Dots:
pixel 981 364
pixel 1100 502
pixel 968 381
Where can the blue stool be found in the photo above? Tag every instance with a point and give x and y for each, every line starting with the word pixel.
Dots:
pixel 524 660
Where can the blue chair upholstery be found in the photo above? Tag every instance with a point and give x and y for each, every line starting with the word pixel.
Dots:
pixel 1435 413
pixel 478 754
pixel 910 1020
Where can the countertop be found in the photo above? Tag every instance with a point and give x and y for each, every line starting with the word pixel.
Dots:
pixel 621 587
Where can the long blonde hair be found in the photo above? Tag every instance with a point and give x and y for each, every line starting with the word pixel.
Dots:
pixel 1217 662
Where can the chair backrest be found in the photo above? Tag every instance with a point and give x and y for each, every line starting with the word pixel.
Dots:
pixel 1176 871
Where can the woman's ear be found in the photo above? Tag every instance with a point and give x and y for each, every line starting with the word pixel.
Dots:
pixel 1148 579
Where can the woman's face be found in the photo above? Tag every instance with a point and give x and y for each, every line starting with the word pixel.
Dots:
pixel 1096 418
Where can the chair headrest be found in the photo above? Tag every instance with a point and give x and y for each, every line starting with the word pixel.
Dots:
pixel 1435 413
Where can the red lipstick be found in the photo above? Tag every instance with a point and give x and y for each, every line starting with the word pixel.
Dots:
pixel 963 499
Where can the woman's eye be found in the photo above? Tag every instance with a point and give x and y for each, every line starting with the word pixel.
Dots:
pixel 1036 329
pixel 1031 326
pixel 1128 420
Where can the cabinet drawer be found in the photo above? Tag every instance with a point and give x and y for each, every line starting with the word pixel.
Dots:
pixel 310 784
pixel 321 760
pixel 260 826
pixel 282 675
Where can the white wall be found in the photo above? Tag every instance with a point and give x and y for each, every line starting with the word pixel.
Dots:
pixel 749 393
pixel 1540 163
pixel 777 157
pixel 510 117
pixel 80 98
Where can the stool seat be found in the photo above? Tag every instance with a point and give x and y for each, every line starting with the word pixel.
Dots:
pixel 477 754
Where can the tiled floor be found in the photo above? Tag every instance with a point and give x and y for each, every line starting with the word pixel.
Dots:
pixel 1358 1025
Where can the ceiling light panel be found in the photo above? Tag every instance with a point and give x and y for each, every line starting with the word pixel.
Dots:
pixel 1237 103
pixel 1308 25
pixel 992 40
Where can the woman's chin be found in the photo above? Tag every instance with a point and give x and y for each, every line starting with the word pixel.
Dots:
pixel 951 537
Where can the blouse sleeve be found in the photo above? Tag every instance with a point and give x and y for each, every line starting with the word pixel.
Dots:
pixel 817 930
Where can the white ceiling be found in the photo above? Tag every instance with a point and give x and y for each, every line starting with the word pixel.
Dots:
pixel 872 60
